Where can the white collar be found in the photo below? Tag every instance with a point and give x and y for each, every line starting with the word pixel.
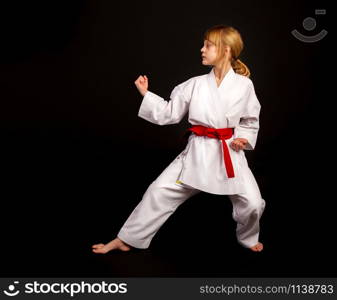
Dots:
pixel 211 75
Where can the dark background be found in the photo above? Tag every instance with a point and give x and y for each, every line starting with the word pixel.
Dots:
pixel 76 159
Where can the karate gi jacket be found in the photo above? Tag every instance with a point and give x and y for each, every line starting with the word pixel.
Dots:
pixel 233 104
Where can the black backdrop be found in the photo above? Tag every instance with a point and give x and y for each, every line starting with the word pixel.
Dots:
pixel 76 159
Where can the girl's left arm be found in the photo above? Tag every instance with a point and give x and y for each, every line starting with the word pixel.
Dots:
pixel 249 122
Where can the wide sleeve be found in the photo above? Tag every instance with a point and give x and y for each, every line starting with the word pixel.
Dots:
pixel 249 122
pixel 157 110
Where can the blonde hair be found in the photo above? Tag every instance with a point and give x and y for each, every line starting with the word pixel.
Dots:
pixel 222 35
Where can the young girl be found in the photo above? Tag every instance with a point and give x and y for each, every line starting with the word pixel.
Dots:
pixel 224 113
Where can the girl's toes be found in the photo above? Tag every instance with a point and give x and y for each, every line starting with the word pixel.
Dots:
pixel 98 246
pixel 99 250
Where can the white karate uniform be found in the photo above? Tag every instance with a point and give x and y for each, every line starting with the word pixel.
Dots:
pixel 200 166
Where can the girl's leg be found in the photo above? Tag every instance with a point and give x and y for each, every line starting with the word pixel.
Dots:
pixel 160 200
pixel 247 210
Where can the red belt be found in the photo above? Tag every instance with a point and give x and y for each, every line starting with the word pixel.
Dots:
pixel 221 134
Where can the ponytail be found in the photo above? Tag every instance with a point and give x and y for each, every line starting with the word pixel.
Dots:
pixel 240 68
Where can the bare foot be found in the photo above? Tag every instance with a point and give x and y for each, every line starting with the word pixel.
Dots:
pixel 258 247
pixel 113 245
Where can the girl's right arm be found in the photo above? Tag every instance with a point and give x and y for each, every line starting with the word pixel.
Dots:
pixel 157 110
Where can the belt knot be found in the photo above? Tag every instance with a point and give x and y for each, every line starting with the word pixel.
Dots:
pixel 221 134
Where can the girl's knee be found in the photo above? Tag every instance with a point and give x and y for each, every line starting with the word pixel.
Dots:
pixel 256 204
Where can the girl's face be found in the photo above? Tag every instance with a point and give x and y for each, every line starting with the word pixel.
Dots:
pixel 208 53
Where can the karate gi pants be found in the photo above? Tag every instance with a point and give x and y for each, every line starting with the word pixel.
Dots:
pixel 164 195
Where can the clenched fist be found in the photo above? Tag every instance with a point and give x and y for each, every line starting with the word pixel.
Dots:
pixel 142 84
pixel 238 144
